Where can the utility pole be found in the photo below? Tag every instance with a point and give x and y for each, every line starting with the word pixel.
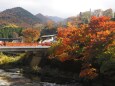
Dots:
pixel 113 14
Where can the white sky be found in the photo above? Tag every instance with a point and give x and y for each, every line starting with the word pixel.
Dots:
pixel 61 8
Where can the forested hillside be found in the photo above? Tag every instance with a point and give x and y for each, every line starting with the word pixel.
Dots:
pixel 18 16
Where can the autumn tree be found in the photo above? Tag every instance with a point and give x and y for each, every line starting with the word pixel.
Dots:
pixel 31 35
pixel 50 24
pixel 97 12
pixel 85 43
pixel 49 28
pixel 73 20
pixel 108 12
pixel 15 35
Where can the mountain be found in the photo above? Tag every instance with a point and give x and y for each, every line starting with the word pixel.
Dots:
pixel 18 16
pixel 47 18
pixel 55 18
pixel 43 18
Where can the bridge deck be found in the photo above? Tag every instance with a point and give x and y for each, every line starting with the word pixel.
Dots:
pixel 23 48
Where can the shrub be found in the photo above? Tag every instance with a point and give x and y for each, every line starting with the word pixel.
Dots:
pixel 108 69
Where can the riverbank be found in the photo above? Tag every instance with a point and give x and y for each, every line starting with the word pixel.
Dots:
pixel 16 71
pixel 50 72
pixel 13 77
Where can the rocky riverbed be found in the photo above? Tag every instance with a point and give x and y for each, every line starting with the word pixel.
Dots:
pixel 13 77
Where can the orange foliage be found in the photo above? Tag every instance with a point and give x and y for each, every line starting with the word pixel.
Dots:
pixel 50 24
pixel 85 42
pixel 31 35
pixel 88 37
pixel 89 73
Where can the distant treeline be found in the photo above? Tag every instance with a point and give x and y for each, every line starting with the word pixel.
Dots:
pixel 10 31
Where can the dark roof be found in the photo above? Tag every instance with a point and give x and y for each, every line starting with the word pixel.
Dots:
pixel 9 39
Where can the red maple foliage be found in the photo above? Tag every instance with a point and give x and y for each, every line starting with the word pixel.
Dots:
pixel 84 43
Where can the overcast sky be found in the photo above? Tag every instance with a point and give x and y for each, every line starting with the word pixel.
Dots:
pixel 61 8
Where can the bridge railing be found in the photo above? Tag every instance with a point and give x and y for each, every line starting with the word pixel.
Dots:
pixel 12 42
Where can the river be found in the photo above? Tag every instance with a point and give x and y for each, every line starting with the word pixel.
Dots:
pixel 13 77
